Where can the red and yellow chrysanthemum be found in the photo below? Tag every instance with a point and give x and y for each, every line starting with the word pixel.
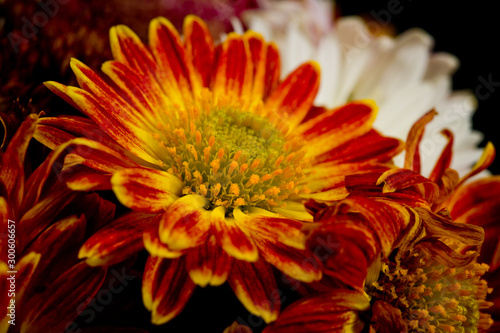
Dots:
pixel 207 139
pixel 401 262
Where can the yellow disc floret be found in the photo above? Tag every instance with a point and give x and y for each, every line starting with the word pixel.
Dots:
pixel 232 157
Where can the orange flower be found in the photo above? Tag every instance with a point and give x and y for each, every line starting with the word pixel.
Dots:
pixel 224 154
pixel 50 224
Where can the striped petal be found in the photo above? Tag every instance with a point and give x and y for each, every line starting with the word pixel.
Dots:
pixel 346 250
pixel 208 264
pixel 271 228
pixel 232 238
pixel 255 287
pixel 146 190
pixel 58 243
pixel 52 309
pixel 186 223
pixel 298 264
pixel 113 115
pixel 168 50
pixel 166 288
pixel 234 69
pixel 330 130
pixel 199 51
pixel 154 245
pixel 117 241
pixel 337 311
pixel 12 168
pixel 295 95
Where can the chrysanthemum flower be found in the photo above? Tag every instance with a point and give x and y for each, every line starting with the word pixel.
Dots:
pixel 412 267
pixel 50 224
pixel 224 153
pixel 400 73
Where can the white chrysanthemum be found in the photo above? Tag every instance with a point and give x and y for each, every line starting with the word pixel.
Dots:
pixel 401 74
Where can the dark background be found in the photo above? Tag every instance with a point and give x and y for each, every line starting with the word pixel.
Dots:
pixel 468 31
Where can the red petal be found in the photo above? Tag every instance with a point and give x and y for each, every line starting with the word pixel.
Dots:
pixel 298 264
pixel 273 65
pixel 275 229
pixel 166 288
pixel 12 168
pixel 388 319
pixel 234 69
pixel 168 50
pixel 370 147
pixel 333 312
pixel 232 238
pixel 186 223
pixel 51 310
pixel 58 244
pixel 295 95
pixel 199 49
pixel 346 250
pixel 255 287
pixel 484 162
pixel 119 240
pixel 335 128
pixel 208 264
pixel 444 160
pixel 146 190
pixel 412 157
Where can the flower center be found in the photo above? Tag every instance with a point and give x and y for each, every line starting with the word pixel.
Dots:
pixel 232 157
pixel 435 298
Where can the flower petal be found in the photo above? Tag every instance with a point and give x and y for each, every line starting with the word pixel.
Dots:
pixel 199 50
pixel 117 241
pixel 346 250
pixel 272 228
pixel 166 288
pixel 337 311
pixel 232 238
pixel 168 50
pixel 234 74
pixel 153 244
pixel 12 168
pixel 295 95
pixel 52 309
pixel 255 287
pixel 146 190
pixel 387 318
pixel 208 264
pixel 332 129
pixel 186 223
pixel 298 264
